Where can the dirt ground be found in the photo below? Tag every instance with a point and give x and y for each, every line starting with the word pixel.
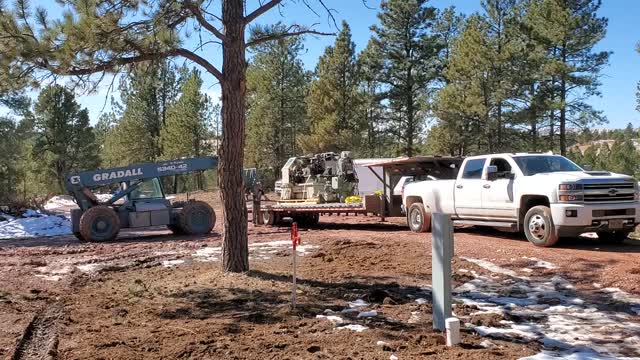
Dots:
pixel 364 293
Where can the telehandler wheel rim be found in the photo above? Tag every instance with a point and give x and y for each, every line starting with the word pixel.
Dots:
pixel 200 220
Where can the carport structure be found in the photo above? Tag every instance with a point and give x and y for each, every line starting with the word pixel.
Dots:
pixel 416 167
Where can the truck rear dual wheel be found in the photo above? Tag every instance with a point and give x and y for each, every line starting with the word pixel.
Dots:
pixel 196 218
pixel 418 218
pixel 539 228
pixel 100 223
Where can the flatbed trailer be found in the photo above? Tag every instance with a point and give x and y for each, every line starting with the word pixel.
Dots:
pixel 387 204
pixel 309 214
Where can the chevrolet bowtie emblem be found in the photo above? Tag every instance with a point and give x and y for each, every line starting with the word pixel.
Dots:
pixel 613 192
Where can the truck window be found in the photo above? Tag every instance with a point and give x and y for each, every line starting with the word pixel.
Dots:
pixel 473 169
pixel 504 168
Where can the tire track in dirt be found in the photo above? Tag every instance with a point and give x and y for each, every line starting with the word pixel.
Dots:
pixel 40 337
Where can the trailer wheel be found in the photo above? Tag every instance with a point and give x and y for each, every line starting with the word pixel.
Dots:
pixel 79 236
pixel 268 217
pixel 100 223
pixel 314 219
pixel 418 218
pixel 197 218
pixel 539 227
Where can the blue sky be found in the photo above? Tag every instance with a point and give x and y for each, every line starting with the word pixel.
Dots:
pixel 618 83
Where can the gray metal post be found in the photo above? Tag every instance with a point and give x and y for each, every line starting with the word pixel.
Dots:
pixel 441 254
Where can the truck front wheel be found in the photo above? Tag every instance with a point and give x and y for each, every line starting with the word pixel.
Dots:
pixel 539 228
pixel 418 218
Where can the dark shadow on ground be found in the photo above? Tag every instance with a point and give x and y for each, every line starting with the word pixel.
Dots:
pixel 256 306
pixel 577 243
pixel 127 236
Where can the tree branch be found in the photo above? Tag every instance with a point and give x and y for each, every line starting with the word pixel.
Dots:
pixel 117 62
pixel 197 12
pixel 273 37
pixel 261 10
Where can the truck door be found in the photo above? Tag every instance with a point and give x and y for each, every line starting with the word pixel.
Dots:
pixel 468 189
pixel 497 191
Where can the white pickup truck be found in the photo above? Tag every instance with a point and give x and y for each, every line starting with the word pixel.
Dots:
pixel 547 196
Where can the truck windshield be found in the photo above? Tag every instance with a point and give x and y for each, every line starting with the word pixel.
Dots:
pixel 540 164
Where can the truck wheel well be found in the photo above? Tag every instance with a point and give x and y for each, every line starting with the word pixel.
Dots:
pixel 529 201
pixel 412 200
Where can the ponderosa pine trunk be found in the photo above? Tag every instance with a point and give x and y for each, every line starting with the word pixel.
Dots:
pixel 235 249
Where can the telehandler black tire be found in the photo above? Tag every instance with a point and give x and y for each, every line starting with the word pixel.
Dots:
pixel 197 218
pixel 175 225
pixel 100 223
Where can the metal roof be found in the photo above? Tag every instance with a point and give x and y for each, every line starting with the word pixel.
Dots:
pixel 440 166
pixel 415 160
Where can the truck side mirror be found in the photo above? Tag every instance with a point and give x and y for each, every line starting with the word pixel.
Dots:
pixel 492 172
pixel 587 167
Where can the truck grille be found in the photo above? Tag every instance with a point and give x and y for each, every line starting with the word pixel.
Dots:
pixel 614 192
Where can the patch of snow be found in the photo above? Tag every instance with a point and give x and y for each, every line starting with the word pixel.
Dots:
pixel 104 197
pixel 381 343
pixel 348 311
pixel 170 263
pixel 49 277
pixel 35 224
pixel 354 327
pixel 527 270
pixel 491 266
pixel 541 263
pixel 578 355
pixel 421 301
pixel 208 254
pixel 357 303
pixel 60 202
pixel 553 315
pixel 415 317
pixel 487 344
pixel 89 268
pixel 334 319
pixel 622 296
pixel 368 314
pixel 393 357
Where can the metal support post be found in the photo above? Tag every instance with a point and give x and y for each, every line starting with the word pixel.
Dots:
pixel 441 252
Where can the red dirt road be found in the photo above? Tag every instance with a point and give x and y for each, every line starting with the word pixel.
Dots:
pixel 155 295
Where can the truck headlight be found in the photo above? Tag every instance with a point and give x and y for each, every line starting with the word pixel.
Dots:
pixel 570 192
pixel 570 187
pixel 571 198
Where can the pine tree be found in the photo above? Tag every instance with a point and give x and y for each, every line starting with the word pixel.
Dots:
pixel 185 132
pixel 463 105
pixel 624 158
pixel 333 100
pixel 146 94
pixel 569 30
pixel 372 110
pixel 410 52
pixel 9 158
pixel 276 89
pixel 64 140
